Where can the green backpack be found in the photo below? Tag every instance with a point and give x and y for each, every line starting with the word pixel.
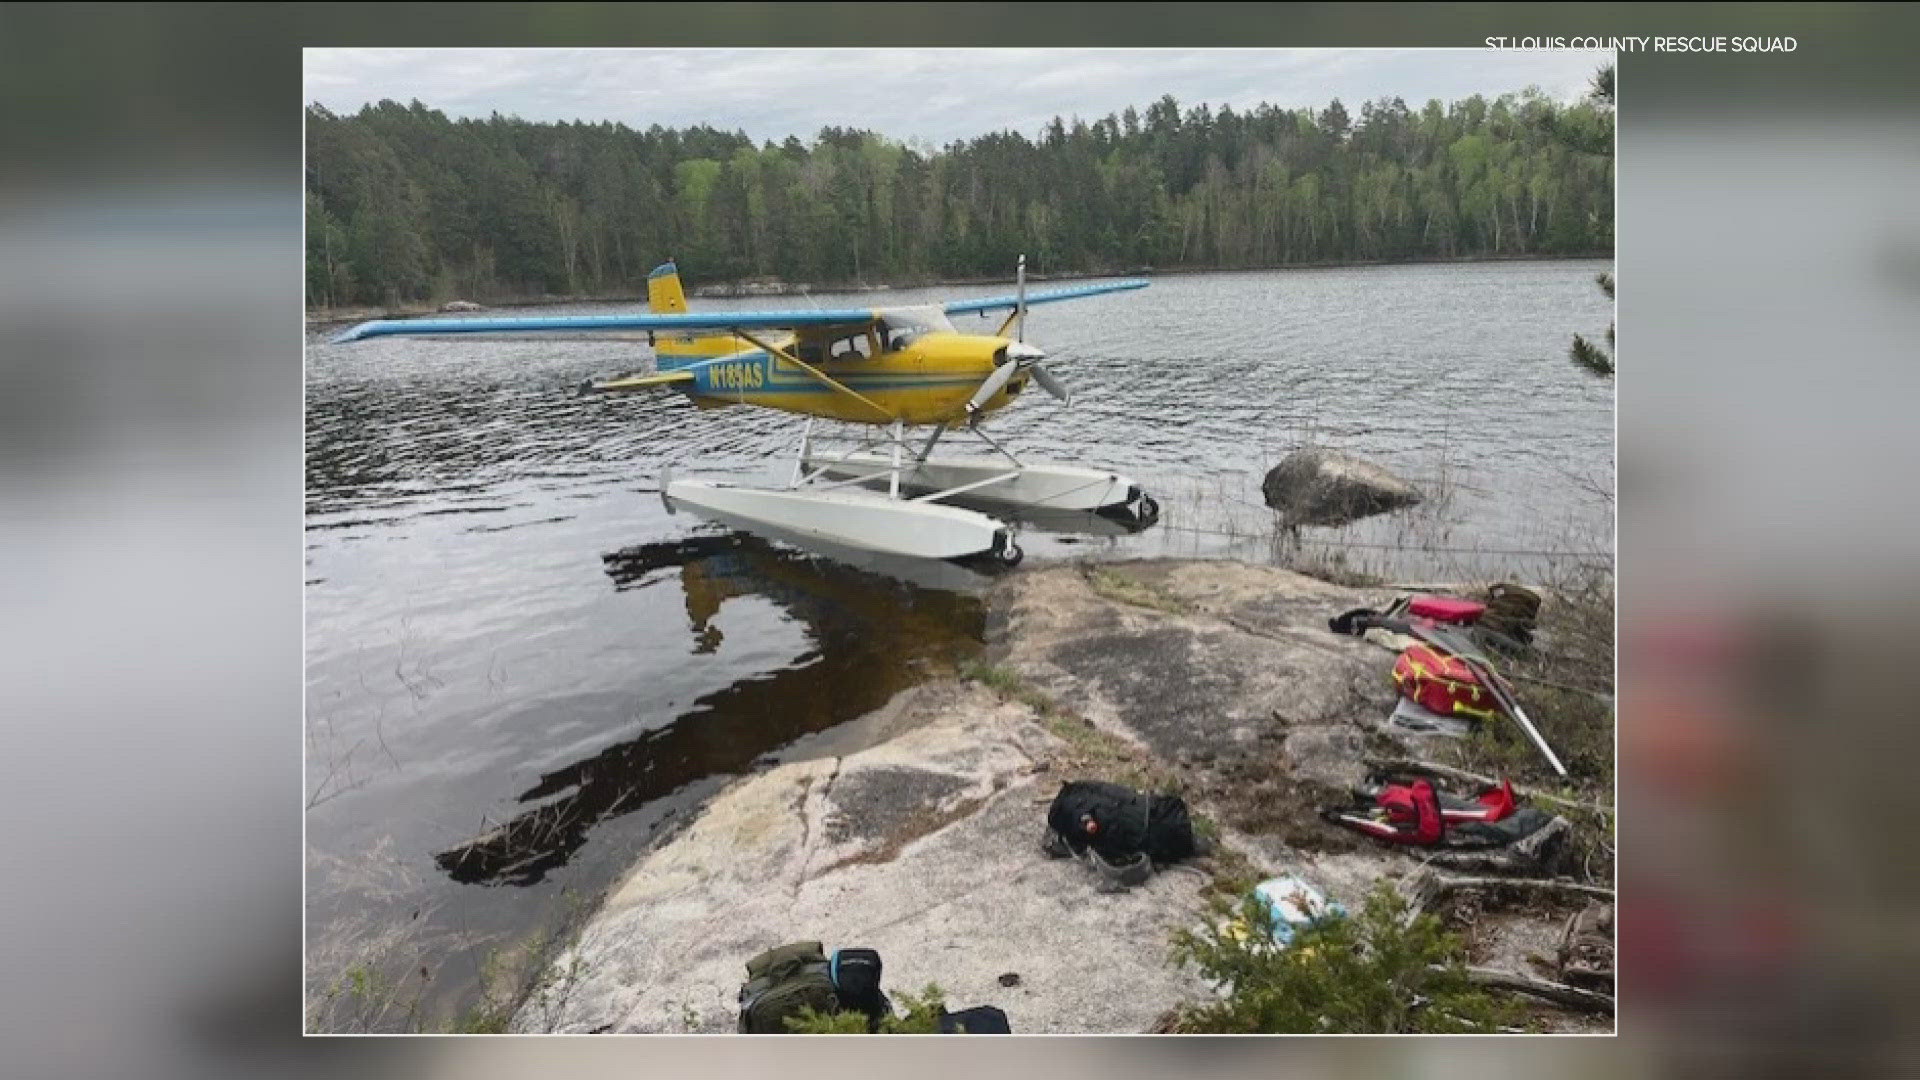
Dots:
pixel 783 982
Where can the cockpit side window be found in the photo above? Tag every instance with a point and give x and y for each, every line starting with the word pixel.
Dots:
pixel 851 347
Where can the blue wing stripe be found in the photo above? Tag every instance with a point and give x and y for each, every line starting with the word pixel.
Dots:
pixel 1008 303
pixel 716 320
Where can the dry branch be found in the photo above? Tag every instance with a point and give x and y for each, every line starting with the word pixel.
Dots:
pixel 1571 997
pixel 1424 888
pixel 1446 883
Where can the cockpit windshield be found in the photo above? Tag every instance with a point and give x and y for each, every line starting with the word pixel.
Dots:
pixel 905 325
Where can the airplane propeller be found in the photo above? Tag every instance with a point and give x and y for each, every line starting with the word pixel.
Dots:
pixel 1020 356
pixel 1052 385
pixel 995 382
pixel 1020 301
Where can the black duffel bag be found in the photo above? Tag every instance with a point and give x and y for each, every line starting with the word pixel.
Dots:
pixel 979 1020
pixel 1120 824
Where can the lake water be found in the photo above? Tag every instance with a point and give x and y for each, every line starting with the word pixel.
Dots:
pixel 520 667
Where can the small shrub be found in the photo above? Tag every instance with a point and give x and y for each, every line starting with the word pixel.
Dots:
pixel 1205 828
pixel 1371 972
pixel 921 1017
pixel 810 1022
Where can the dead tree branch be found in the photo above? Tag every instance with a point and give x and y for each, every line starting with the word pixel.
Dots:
pixel 1571 997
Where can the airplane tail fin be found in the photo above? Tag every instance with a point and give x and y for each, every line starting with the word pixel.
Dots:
pixel 664 294
pixel 671 350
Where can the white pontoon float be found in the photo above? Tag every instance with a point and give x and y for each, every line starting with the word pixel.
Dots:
pixel 900 501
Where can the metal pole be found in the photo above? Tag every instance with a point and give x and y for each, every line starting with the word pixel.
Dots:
pixel 1446 639
pixel 1508 702
pixel 806 447
pixel 899 441
pixel 938 430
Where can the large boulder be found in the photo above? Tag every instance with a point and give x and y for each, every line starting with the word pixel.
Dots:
pixel 1326 487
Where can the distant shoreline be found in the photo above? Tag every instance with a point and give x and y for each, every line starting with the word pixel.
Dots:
pixel 750 288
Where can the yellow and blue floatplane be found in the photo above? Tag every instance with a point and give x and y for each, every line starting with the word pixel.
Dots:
pixel 881 370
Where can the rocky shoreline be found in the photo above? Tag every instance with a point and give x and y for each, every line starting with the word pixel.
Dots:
pixel 1218 680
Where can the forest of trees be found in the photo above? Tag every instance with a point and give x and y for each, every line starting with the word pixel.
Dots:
pixel 404 204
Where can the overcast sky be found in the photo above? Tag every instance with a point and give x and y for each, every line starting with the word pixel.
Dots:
pixel 928 95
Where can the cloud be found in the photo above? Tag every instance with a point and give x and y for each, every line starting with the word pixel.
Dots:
pixel 930 95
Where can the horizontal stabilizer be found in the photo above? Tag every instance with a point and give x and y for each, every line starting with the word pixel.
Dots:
pixel 628 383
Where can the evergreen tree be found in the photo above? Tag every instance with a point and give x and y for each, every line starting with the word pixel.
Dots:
pixel 1371 972
pixel 1586 353
pixel 1583 352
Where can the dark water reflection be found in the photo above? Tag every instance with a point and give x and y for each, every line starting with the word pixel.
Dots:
pixel 520 667
pixel 851 670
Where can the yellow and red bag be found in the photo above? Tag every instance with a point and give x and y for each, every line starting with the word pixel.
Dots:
pixel 1441 682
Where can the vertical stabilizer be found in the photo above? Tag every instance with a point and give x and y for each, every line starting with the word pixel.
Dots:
pixel 664 294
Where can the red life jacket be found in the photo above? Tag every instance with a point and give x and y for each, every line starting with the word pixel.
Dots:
pixel 1413 812
pixel 1493 804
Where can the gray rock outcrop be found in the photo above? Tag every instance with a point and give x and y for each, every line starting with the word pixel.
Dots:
pixel 1326 487
pixel 915 830
pixel 924 847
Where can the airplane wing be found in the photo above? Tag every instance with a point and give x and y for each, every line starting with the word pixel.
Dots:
pixel 715 321
pixel 711 321
pixel 1008 303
